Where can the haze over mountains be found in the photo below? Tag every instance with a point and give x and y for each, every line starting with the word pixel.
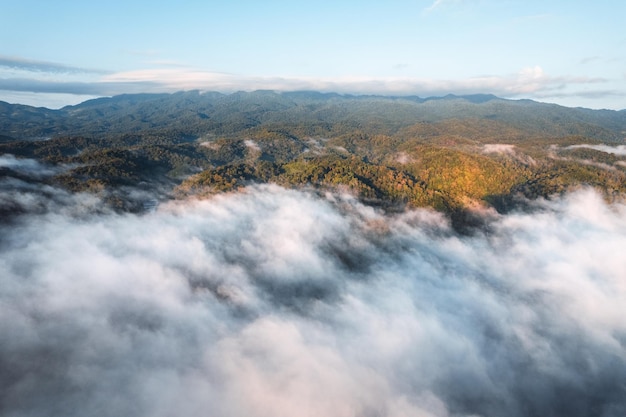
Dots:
pixel 306 254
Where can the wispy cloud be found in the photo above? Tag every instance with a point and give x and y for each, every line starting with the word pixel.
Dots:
pixel 170 76
pixel 590 59
pixel 439 3
pixel 527 81
pixel 44 66
pixel 434 5
pixel 616 150
pixel 75 87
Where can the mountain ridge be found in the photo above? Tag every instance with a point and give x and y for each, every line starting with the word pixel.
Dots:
pixel 191 112
pixel 451 153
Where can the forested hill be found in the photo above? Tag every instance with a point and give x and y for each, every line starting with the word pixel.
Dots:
pixel 452 153
pixel 195 113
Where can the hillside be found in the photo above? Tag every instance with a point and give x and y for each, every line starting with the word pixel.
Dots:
pixel 453 153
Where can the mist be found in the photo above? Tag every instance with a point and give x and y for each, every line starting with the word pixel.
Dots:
pixel 274 302
pixel 619 150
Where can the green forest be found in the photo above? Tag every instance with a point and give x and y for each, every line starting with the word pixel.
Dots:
pixel 454 154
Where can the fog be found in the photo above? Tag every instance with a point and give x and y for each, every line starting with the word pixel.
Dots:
pixel 619 150
pixel 273 302
pixel 25 166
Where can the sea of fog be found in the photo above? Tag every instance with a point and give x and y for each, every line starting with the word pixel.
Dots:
pixel 274 302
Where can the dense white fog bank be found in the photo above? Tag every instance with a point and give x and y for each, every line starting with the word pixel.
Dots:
pixel 279 303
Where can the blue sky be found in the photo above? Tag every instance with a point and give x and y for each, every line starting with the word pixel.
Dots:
pixel 64 52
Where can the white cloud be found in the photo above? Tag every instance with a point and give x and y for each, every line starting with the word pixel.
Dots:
pixel 252 145
pixel 499 148
pixel 30 167
pixel 530 82
pixel 616 150
pixel 278 303
pixel 438 3
pixel 527 81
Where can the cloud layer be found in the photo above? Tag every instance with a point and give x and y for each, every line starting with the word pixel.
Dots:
pixel 527 81
pixel 281 303
pixel 19 75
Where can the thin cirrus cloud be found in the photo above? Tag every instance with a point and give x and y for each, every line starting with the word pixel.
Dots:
pixel 433 6
pixel 76 87
pixel 30 65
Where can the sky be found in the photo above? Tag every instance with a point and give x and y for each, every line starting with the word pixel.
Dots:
pixel 64 52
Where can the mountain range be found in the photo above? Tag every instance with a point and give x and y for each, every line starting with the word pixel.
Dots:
pixel 456 154
pixel 195 113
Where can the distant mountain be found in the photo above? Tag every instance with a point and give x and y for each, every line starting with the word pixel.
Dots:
pixel 194 113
